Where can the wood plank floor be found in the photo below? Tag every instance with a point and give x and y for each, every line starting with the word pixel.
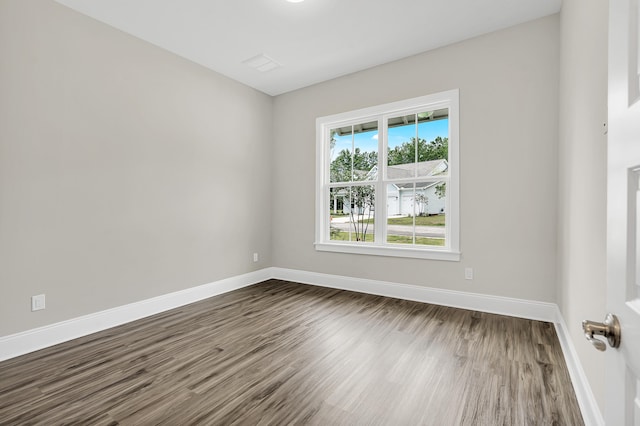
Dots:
pixel 286 353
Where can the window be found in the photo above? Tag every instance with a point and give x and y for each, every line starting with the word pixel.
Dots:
pixel 387 179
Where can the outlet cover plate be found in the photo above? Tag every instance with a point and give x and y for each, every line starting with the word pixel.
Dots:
pixel 37 302
pixel 468 273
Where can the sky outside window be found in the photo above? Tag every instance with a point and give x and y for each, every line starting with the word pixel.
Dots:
pixel 368 141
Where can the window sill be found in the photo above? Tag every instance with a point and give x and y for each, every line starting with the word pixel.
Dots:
pixel 433 254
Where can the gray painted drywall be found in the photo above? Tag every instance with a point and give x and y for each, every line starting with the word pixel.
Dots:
pixel 508 83
pixel 126 172
pixel 119 161
pixel 582 177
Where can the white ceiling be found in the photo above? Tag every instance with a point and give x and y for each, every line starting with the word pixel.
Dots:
pixel 315 40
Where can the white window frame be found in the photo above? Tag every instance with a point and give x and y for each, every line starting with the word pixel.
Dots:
pixel 451 251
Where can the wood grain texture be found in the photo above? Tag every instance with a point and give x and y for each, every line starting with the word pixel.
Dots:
pixel 286 353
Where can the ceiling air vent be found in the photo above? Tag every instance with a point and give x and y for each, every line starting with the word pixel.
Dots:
pixel 262 63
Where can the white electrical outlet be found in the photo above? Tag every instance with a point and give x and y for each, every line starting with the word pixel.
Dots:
pixel 37 302
pixel 255 257
pixel 468 273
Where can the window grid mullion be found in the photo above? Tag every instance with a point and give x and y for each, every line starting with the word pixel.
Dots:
pixel 381 192
pixel 353 153
pixel 415 146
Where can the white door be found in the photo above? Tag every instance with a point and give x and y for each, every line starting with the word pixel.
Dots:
pixel 623 213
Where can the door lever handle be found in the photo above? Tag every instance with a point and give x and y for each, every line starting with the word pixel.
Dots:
pixel 610 329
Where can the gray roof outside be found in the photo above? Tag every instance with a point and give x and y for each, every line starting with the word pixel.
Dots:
pixel 425 168
pixel 405 171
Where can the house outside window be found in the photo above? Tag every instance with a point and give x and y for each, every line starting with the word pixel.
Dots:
pixel 387 179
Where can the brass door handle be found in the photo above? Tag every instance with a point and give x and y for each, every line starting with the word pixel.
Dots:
pixel 610 329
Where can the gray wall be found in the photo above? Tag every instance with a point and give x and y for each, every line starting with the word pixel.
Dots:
pixel 582 178
pixel 508 83
pixel 125 171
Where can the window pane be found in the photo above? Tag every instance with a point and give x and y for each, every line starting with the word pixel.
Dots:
pixel 339 202
pixel 401 147
pixel 362 213
pixel 365 154
pixel 433 142
pixel 352 213
pixel 416 213
pixel 400 213
pixel 341 148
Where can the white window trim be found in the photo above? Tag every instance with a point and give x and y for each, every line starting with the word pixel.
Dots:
pixel 449 99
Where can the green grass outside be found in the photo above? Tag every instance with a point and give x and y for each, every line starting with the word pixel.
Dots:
pixel 437 220
pixel 396 239
pixel 404 239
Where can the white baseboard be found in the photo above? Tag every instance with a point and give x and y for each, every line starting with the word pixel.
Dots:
pixel 40 338
pixel 540 311
pixel 43 337
pixel 588 406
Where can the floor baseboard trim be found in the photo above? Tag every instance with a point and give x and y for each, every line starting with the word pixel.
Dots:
pixel 586 400
pixel 39 338
pixel 32 340
pixel 541 311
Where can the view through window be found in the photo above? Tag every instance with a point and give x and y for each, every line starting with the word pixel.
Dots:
pixel 389 180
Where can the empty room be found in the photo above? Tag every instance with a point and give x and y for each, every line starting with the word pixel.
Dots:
pixel 267 212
